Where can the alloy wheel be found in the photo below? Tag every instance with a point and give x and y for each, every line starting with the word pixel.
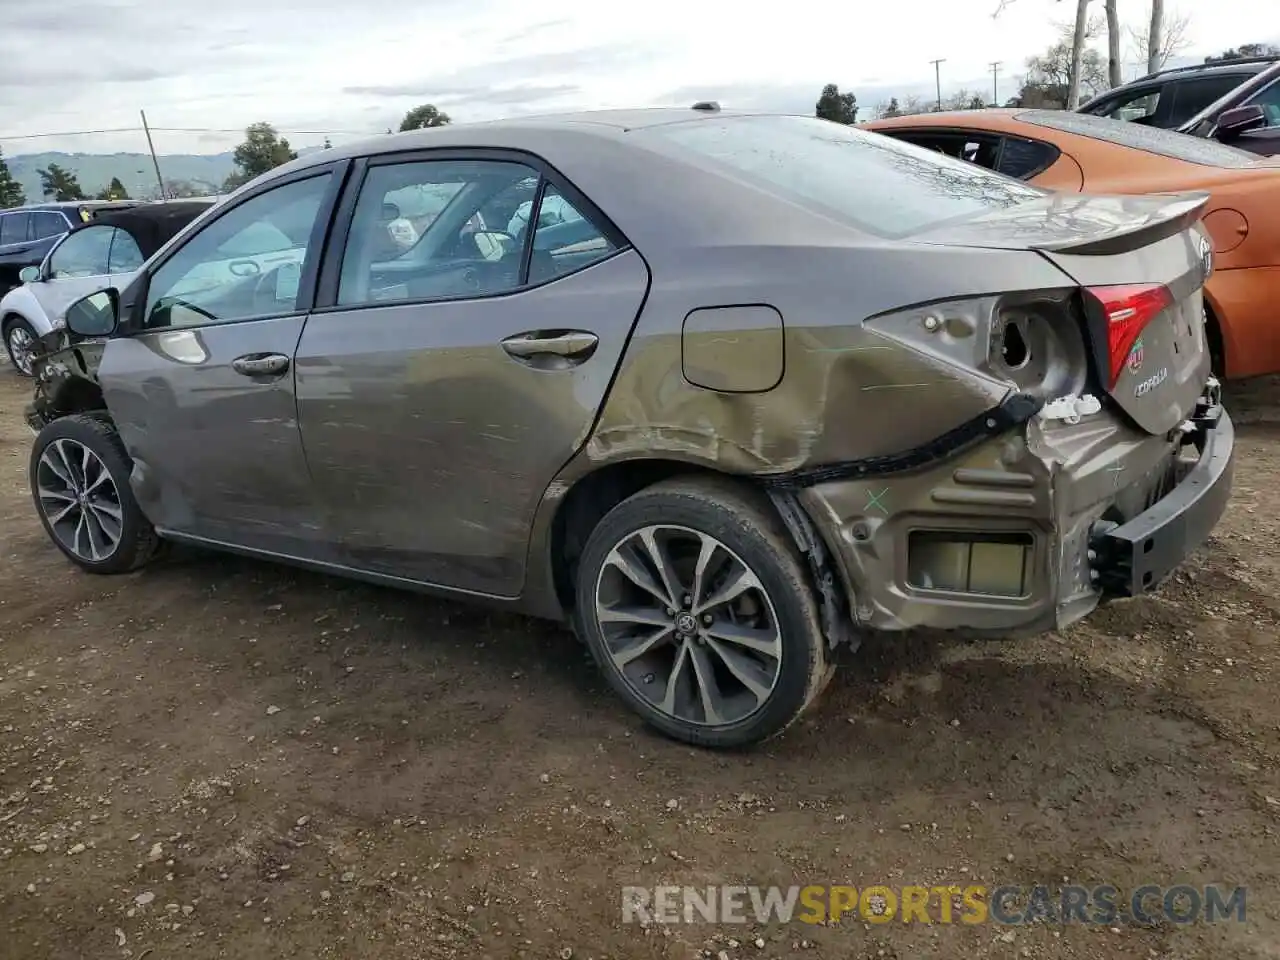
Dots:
pixel 688 625
pixel 20 344
pixel 79 500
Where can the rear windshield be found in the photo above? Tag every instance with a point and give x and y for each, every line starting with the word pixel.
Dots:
pixel 880 185
pixel 1137 136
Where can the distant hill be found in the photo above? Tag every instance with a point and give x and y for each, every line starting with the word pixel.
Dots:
pixel 205 172
pixel 135 170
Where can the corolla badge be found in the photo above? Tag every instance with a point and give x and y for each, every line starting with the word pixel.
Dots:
pixel 1134 361
pixel 1153 381
pixel 1206 257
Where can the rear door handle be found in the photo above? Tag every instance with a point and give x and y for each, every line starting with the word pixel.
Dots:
pixel 570 344
pixel 260 364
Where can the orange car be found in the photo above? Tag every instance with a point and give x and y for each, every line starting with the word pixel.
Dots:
pixel 1071 151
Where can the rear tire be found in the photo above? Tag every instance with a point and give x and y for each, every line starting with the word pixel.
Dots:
pixel 79 475
pixel 728 674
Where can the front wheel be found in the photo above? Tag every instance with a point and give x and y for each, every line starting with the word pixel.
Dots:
pixel 696 605
pixel 79 477
pixel 20 343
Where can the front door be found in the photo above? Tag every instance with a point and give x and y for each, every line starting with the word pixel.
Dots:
pixel 460 364
pixel 76 267
pixel 203 390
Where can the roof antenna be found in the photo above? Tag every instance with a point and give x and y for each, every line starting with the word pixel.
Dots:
pixel 707 106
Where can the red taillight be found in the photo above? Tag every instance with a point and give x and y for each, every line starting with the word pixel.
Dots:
pixel 1128 308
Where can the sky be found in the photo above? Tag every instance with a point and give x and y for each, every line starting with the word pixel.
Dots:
pixel 205 69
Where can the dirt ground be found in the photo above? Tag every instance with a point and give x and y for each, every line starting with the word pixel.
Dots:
pixel 222 758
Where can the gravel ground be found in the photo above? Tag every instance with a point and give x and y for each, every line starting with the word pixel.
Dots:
pixel 221 758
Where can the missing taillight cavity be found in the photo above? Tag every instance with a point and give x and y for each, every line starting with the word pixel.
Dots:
pixel 1127 309
pixel 1014 349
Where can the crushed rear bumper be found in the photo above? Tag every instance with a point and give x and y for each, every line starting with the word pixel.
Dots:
pixel 1102 508
pixel 1136 556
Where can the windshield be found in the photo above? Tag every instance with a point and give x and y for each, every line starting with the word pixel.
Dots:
pixel 880 185
pixel 1136 136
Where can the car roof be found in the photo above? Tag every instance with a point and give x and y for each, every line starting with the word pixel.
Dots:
pixel 508 133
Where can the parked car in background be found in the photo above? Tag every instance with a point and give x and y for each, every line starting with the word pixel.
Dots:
pixel 1248 117
pixel 1169 98
pixel 28 233
pixel 101 252
pixel 769 384
pixel 1078 153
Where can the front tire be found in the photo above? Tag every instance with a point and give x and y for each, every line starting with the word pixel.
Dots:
pixel 697 607
pixel 79 476
pixel 20 343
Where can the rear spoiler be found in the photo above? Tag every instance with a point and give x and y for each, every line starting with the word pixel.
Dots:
pixel 1182 211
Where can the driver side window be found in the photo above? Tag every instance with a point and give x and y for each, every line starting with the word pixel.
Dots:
pixel 243 265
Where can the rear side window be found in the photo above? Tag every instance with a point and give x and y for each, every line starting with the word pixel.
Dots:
pixel 878 184
pixel 1025 158
pixel 1192 96
pixel 13 227
pixel 44 225
pixel 1135 136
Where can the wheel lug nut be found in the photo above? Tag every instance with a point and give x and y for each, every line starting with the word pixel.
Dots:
pixel 687 600
pixel 670 612
pixel 708 619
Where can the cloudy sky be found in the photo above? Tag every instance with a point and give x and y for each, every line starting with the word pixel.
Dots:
pixel 204 69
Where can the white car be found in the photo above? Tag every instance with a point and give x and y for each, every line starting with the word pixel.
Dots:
pixel 88 258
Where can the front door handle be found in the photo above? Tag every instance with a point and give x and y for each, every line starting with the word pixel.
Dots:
pixel 260 364
pixel 570 344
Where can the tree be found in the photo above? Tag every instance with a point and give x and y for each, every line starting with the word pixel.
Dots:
pixel 263 149
pixel 423 116
pixel 11 194
pixel 1246 50
pixel 113 191
pixel 836 106
pixel 1113 43
pixel 890 109
pixel 184 189
pixel 1080 33
pixel 1155 36
pixel 1174 41
pixel 1048 79
pixel 59 184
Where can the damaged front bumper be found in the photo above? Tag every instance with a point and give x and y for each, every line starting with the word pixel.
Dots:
pixel 1029 528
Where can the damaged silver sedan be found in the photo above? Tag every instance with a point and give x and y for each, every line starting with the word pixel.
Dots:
pixel 733 391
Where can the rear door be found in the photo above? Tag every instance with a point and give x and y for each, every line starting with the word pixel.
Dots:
pixel 202 385
pixel 443 383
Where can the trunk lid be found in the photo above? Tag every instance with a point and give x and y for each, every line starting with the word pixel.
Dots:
pixel 1141 263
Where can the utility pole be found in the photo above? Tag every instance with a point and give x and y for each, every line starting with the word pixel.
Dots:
pixel 937 75
pixel 995 83
pixel 151 146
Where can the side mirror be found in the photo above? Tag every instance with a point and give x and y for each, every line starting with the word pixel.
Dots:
pixel 1238 120
pixel 29 274
pixel 95 315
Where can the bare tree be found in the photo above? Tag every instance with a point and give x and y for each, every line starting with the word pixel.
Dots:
pixel 1155 36
pixel 1079 35
pixel 1077 53
pixel 1113 43
pixel 1172 43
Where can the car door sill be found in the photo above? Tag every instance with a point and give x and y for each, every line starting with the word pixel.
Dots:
pixel 336 569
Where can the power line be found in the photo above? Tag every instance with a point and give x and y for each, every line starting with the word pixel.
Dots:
pixel 234 130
